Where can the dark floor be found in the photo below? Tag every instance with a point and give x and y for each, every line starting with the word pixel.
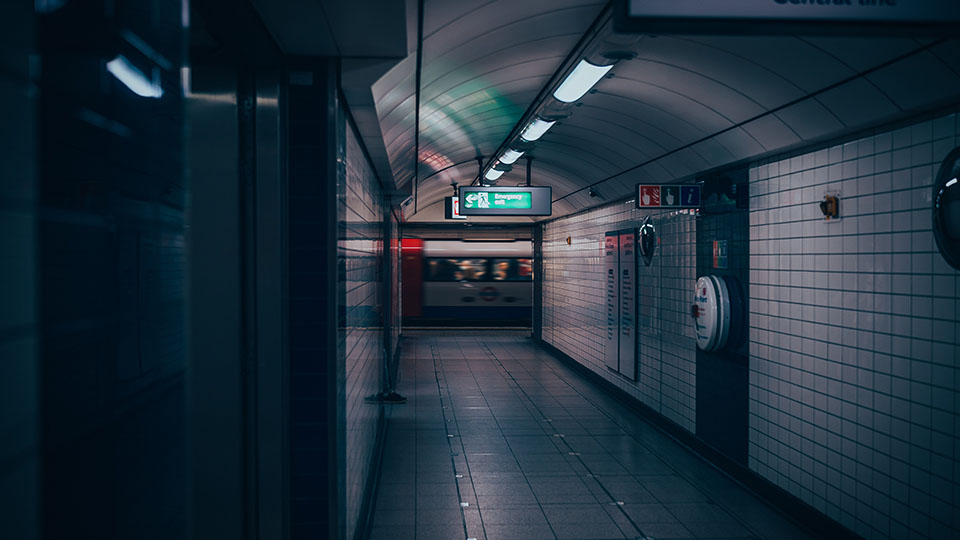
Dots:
pixel 499 440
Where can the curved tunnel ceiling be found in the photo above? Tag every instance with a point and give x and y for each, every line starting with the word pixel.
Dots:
pixel 684 105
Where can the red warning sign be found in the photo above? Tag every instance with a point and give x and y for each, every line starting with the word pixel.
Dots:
pixel 649 195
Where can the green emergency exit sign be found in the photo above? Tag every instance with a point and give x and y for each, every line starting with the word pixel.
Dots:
pixel 512 200
pixel 505 201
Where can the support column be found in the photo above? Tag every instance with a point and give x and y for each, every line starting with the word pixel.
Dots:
pixel 317 370
pixel 19 362
pixel 537 330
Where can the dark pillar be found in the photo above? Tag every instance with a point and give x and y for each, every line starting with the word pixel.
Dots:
pixel 537 282
pixel 19 369
pixel 239 355
pixel 112 272
pixel 317 427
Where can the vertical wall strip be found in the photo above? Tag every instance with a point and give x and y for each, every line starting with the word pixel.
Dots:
pixel 246 156
pixel 537 281
pixel 336 378
pixel 416 129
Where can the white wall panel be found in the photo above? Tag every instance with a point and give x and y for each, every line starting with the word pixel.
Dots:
pixel 854 335
pixel 854 328
pixel 574 316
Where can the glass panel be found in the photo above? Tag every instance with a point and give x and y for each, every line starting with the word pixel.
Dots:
pixel 524 269
pixel 471 270
pixel 501 269
pixel 442 269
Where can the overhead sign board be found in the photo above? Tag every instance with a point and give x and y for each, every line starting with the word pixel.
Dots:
pixel 775 17
pixel 668 196
pixel 451 208
pixel 506 201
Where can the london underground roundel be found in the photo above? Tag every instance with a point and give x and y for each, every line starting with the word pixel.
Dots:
pixel 489 294
pixel 711 313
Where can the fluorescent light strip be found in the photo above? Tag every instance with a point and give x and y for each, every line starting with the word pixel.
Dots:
pixel 510 156
pixel 133 78
pixel 579 81
pixel 536 129
pixel 951 182
pixel 493 174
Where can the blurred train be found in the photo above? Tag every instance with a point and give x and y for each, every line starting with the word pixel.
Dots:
pixel 449 282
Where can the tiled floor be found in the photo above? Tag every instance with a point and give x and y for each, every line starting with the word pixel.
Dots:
pixel 500 441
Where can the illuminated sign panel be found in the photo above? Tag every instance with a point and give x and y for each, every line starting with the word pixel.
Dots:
pixel 668 196
pixel 451 208
pixel 772 17
pixel 510 199
pixel 506 201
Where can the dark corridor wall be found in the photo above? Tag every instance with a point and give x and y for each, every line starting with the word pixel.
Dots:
pixel 19 340
pixel 361 251
pixel 337 293
pixel 112 286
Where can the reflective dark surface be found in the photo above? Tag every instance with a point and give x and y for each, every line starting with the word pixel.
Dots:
pixel 946 209
pixel 648 241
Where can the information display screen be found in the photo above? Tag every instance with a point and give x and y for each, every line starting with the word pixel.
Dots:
pixel 773 17
pixel 506 201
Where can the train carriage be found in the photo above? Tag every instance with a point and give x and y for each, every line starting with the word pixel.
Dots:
pixel 469 282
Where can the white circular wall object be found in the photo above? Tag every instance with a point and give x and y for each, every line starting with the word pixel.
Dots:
pixel 713 313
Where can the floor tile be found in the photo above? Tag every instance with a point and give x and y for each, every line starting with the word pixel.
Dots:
pixel 540 454
pixel 519 531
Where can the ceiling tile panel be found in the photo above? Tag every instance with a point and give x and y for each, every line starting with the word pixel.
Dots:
pixel 725 100
pixel 763 85
pixel 771 132
pixel 857 103
pixel 806 66
pixel 682 106
pixel 862 53
pixel 898 81
pixel 739 143
pixel 810 119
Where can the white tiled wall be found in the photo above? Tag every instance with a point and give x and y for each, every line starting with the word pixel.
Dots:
pixel 361 249
pixel 854 329
pixel 854 335
pixel 574 316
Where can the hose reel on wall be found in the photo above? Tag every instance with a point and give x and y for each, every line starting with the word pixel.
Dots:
pixel 647 241
pixel 719 313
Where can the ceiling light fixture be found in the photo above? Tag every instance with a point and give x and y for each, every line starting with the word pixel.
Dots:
pixel 510 156
pixel 134 79
pixel 536 129
pixel 493 174
pixel 579 81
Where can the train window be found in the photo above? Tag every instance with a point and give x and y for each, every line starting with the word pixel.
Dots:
pixel 477 269
pixel 525 269
pixel 471 270
pixel 512 269
pixel 441 269
pixel 501 269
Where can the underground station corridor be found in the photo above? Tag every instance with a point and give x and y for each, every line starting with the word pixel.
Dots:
pixel 502 440
pixel 479 269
